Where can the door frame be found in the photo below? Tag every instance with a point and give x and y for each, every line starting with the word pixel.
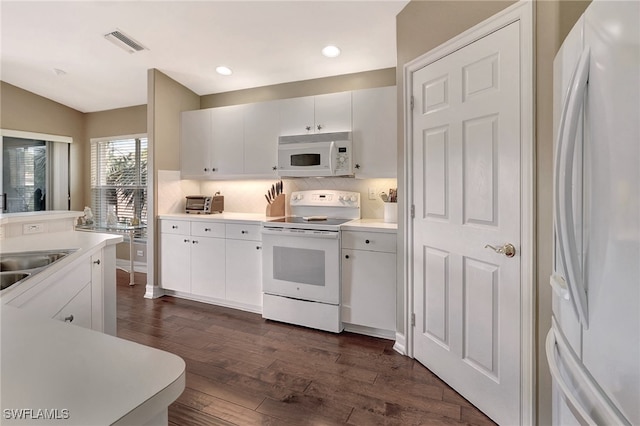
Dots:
pixel 522 11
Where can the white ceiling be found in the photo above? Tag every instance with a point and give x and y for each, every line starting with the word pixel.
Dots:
pixel 264 42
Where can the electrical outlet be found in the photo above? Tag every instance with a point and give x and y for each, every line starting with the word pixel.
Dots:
pixel 373 194
pixel 33 228
pixel 139 253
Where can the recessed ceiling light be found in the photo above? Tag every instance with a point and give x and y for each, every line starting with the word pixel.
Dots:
pixel 224 70
pixel 331 51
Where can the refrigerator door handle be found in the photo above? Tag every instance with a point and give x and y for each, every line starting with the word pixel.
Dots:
pixel 573 403
pixel 563 180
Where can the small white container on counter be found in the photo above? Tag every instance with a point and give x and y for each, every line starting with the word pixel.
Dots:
pixel 391 212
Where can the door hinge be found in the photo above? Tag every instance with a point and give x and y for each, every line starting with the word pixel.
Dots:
pixel 413 211
pixel 412 102
pixel 413 320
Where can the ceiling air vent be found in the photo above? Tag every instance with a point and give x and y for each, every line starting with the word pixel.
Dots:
pixel 124 42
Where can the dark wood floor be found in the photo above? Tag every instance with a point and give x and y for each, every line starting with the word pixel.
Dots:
pixel 244 370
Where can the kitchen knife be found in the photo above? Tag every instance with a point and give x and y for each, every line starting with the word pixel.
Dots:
pixel 267 197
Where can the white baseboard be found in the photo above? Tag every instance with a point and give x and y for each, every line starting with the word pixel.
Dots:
pixel 153 292
pixel 401 344
pixel 369 331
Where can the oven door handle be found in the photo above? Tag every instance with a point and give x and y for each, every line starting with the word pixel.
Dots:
pixel 301 233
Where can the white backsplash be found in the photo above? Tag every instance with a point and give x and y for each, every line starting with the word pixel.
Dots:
pixel 247 196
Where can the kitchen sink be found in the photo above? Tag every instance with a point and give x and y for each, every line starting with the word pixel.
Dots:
pixel 15 267
pixel 30 259
pixel 8 279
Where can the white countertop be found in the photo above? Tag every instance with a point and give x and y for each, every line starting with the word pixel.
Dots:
pixel 377 225
pixel 42 215
pixel 355 225
pixel 79 241
pixel 96 378
pixel 223 217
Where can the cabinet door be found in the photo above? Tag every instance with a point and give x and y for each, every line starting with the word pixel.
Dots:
pixel 195 141
pixel 227 150
pixel 261 131
pixel 332 112
pixel 175 262
pixel 244 272
pixel 207 267
pixel 296 116
pixel 369 289
pixel 375 132
pixel 78 310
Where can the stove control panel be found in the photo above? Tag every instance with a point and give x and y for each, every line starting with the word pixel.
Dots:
pixel 329 198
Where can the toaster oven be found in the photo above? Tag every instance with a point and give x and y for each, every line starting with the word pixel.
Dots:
pixel 204 204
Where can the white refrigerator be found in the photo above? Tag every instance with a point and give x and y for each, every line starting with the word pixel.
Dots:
pixel 593 347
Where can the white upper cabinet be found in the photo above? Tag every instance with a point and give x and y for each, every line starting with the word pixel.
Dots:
pixel 195 141
pixel 315 114
pixel 375 132
pixel 241 141
pixel 227 142
pixel 261 131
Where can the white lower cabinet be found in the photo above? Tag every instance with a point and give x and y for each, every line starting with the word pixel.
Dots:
pixel 207 267
pixel 83 295
pixel 212 261
pixel 244 265
pixel 369 281
pixel 192 257
pixel 175 266
pixel 78 310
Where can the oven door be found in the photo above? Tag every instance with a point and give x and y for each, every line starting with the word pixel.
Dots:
pixel 301 264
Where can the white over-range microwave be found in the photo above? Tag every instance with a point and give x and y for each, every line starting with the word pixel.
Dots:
pixel 318 154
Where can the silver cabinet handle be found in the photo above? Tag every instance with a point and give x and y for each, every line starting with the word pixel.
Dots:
pixel 97 262
pixel 185 240
pixel 258 247
pixel 244 232
pixel 319 126
pixel 194 241
pixel 174 226
pixel 508 249
pixel 207 229
pixel 69 318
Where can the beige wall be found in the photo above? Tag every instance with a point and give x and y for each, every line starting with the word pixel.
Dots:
pixel 341 83
pixel 26 111
pixel 166 100
pixel 424 25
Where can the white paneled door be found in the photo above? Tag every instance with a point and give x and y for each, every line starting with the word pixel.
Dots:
pixel 466 192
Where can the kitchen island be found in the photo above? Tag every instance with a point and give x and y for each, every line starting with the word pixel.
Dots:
pixel 60 362
pixel 56 373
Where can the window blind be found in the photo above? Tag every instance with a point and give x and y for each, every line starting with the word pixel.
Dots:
pixel 119 179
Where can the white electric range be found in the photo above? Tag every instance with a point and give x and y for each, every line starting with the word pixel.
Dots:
pixel 301 259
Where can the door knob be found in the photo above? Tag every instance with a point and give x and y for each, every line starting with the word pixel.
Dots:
pixel 508 249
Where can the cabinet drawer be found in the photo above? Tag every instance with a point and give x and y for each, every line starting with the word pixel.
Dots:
pixel 207 229
pixel 373 241
pixel 243 232
pixel 168 226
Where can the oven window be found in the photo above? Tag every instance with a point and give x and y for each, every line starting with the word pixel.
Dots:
pixel 304 266
pixel 305 160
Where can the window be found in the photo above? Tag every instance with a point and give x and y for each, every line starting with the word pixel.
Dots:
pixel 35 174
pixel 119 178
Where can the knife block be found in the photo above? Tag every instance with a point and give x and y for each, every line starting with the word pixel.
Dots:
pixel 276 208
